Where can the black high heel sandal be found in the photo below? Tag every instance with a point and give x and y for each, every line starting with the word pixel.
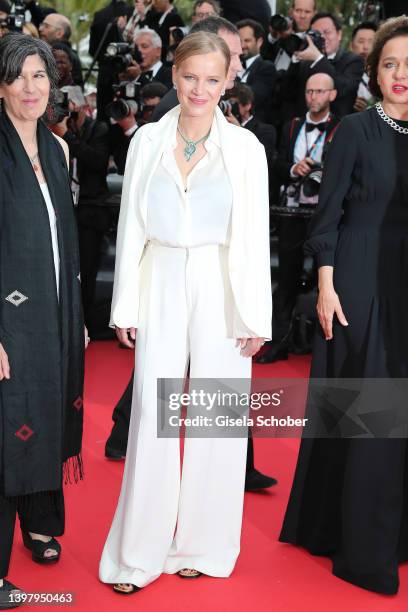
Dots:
pixel 195 574
pixel 38 549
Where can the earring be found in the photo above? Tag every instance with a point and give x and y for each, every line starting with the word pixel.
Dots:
pixel 175 86
pixel 223 93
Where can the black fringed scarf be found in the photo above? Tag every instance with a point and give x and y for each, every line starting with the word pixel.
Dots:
pixel 41 406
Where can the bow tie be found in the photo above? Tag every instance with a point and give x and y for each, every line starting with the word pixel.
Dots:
pixel 316 126
pixel 147 76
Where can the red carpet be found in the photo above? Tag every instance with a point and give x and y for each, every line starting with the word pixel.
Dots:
pixel 268 575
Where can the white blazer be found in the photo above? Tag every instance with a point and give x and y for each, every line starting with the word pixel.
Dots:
pixel 248 258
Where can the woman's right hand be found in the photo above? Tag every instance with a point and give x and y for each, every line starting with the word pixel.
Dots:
pixel 126 336
pixel 328 304
pixel 4 364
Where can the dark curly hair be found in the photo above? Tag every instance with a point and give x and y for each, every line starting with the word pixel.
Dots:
pixel 14 50
pixel 392 28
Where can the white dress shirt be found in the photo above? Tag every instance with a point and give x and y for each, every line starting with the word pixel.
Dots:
pixel 194 214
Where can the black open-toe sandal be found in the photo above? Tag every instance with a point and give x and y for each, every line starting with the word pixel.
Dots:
pixel 10 596
pixel 196 573
pixel 38 549
pixel 134 588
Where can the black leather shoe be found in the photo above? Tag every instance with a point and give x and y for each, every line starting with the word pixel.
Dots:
pixel 113 454
pixel 275 351
pixel 255 481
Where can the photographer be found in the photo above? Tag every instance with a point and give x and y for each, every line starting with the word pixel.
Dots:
pixel 258 73
pixel 163 18
pixel 88 144
pixel 303 144
pixel 149 66
pixel 107 26
pixel 12 17
pixel 319 51
pixel 129 117
pixel 242 112
pixel 362 42
pixel 139 19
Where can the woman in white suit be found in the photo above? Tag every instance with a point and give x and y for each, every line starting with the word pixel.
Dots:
pixel 192 277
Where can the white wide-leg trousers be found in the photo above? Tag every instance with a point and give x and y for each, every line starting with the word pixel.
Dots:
pixel 167 520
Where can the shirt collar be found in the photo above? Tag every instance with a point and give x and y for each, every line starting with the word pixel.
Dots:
pixel 324 120
pixel 243 124
pixel 156 67
pixel 250 61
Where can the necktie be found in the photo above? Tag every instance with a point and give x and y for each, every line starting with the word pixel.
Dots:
pixel 316 126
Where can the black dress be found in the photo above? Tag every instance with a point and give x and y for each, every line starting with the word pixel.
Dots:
pixel 349 499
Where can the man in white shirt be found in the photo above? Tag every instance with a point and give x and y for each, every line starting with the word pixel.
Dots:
pixel 303 143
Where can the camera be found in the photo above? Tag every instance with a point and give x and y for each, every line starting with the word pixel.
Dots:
pixel 304 191
pixel 298 42
pixel 280 23
pixel 126 101
pixel 122 55
pixel 228 107
pixel 16 20
pixel 61 108
pixel 311 182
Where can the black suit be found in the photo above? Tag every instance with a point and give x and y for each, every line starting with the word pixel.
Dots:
pixel 171 20
pixel 261 78
pixel 235 10
pixel 167 102
pixel 163 75
pixel 90 147
pixel 292 234
pixel 346 69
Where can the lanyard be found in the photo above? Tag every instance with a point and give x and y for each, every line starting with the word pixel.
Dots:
pixel 313 146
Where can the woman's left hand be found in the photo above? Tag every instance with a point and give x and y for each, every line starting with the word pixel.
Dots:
pixel 86 336
pixel 250 346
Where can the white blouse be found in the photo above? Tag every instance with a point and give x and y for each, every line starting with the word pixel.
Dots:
pixel 53 228
pixel 195 214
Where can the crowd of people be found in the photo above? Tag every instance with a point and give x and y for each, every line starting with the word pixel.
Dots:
pixel 133 48
pixel 285 123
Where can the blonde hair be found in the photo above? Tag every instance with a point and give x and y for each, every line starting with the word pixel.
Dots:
pixel 31 30
pixel 201 43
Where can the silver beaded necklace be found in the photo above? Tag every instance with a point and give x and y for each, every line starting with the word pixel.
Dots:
pixel 391 122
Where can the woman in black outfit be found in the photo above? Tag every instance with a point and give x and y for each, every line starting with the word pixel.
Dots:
pixel 41 322
pixel 349 498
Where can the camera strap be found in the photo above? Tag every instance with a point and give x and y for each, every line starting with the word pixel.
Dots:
pixel 314 145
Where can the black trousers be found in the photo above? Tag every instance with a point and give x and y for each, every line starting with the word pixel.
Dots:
pixel 36 519
pixel 120 430
pixel 292 234
pixel 93 222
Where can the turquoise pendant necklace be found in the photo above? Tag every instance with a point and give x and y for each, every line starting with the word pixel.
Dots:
pixel 191 145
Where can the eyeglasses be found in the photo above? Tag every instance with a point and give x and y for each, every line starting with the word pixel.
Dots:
pixel 318 92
